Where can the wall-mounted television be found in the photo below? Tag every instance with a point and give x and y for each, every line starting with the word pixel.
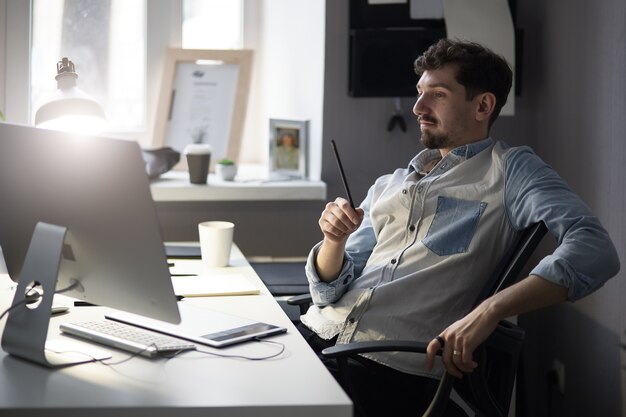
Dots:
pixel 381 59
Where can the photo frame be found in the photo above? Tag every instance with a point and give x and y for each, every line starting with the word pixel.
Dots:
pixel 203 99
pixel 289 149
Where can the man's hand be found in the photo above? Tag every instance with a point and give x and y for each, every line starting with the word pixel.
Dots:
pixel 339 220
pixel 460 340
pixel 464 335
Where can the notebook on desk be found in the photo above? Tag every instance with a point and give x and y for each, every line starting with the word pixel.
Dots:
pixel 215 286
pixel 204 326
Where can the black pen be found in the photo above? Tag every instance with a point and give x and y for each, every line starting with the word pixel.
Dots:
pixel 343 175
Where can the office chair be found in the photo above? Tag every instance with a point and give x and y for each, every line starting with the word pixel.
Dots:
pixel 487 390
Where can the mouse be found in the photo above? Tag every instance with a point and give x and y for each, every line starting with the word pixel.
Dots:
pixel 58 309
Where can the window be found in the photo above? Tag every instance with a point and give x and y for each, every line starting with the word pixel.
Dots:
pixel 118 47
pixel 107 43
pixel 212 24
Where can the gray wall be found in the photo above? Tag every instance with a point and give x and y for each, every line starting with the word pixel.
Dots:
pixel 575 85
pixel 262 228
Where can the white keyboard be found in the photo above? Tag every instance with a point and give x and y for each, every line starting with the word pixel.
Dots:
pixel 124 336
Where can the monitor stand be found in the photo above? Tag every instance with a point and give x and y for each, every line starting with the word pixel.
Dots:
pixel 26 328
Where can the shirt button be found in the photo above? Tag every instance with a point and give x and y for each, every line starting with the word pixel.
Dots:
pixel 420 188
pixel 393 261
pixel 412 228
pixel 404 191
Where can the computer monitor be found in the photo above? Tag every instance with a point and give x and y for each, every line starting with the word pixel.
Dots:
pixel 98 189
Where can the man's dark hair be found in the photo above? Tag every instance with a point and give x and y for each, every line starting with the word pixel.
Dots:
pixel 480 70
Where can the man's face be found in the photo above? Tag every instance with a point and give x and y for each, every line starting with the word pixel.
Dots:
pixel 445 117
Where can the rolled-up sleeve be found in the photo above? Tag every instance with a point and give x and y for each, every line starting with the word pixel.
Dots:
pixel 358 249
pixel 324 293
pixel 585 257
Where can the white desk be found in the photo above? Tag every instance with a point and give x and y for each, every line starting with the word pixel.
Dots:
pixel 192 384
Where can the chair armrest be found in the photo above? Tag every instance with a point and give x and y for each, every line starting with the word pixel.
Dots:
pixel 303 301
pixel 439 402
pixel 506 338
pixel 374 346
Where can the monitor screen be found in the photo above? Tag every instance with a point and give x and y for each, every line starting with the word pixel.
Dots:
pixel 99 190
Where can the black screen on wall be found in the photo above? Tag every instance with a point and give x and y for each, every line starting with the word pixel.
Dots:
pixel 381 60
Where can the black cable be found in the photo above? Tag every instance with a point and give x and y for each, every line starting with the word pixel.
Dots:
pixel 21 302
pixel 36 293
pixel 176 353
pixel 13 307
pixel 250 358
pixel 68 288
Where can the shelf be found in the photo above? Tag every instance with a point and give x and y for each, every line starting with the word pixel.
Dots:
pixel 175 186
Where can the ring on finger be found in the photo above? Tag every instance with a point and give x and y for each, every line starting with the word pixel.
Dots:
pixel 441 341
pixel 456 352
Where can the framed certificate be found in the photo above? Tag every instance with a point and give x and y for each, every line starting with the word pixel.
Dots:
pixel 203 99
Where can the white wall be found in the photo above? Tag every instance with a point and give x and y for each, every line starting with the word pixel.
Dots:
pixel 288 74
pixel 3 6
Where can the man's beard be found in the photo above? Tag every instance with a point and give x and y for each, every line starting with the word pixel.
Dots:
pixel 434 140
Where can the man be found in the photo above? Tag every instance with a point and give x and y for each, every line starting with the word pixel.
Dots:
pixel 411 260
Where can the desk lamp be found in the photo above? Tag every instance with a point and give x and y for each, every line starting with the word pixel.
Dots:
pixel 70 109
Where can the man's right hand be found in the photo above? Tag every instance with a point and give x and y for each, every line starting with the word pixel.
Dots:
pixel 339 220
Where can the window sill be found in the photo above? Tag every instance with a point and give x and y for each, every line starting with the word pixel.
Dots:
pixel 175 186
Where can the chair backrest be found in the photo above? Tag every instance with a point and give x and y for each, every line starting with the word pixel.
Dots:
pixel 507 272
pixel 488 389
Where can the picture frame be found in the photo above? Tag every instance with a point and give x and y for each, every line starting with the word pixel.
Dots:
pixel 203 99
pixel 288 149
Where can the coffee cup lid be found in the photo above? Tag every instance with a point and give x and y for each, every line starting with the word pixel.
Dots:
pixel 197 149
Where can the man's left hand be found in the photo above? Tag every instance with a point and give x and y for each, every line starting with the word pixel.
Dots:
pixel 460 340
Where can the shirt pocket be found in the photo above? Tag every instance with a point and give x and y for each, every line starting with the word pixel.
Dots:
pixel 454 225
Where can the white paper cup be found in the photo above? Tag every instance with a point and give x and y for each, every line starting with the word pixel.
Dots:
pixel 216 239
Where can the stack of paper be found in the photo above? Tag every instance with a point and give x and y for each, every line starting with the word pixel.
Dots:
pixel 189 282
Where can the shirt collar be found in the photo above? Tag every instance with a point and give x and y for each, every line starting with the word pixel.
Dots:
pixel 472 149
pixel 462 153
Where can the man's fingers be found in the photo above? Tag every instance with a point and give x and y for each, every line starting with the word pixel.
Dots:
pixel 431 352
pixel 455 360
pixel 339 219
pixel 462 359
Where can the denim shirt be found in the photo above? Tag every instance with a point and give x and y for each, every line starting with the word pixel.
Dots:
pixel 430 240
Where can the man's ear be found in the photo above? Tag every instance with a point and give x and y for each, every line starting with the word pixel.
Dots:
pixel 486 103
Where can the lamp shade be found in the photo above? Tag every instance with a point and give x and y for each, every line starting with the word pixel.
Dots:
pixel 70 109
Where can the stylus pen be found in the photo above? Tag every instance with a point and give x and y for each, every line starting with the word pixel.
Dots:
pixel 343 175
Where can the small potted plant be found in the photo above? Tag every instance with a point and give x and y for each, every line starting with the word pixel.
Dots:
pixel 226 169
